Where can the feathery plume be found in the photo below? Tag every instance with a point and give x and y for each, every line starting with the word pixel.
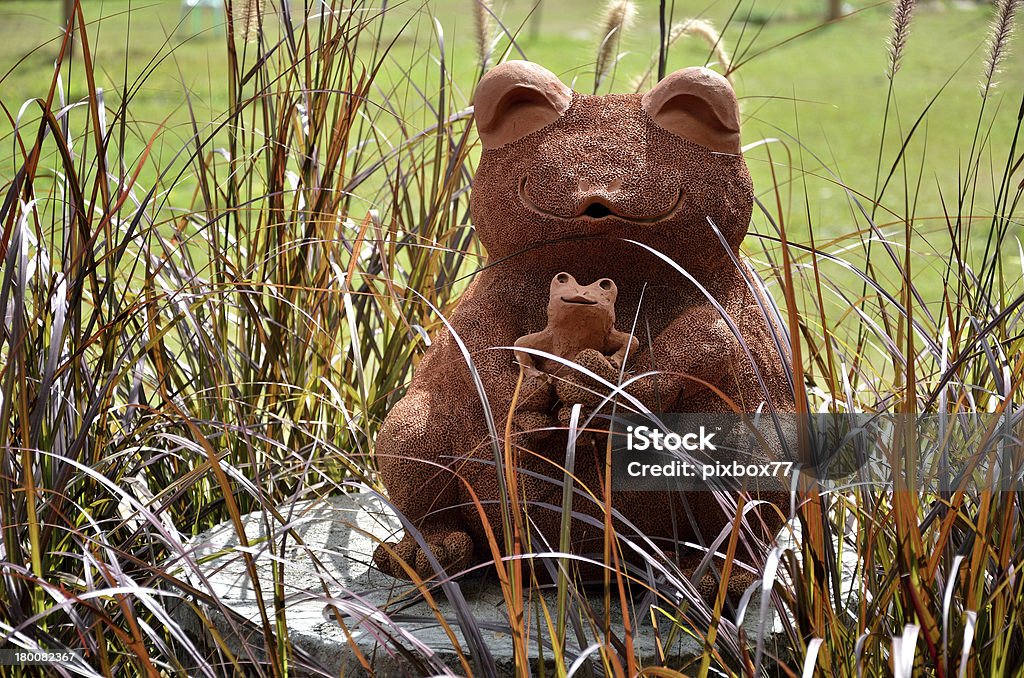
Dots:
pixel 247 21
pixel 999 40
pixel 693 28
pixel 901 12
pixel 704 29
pixel 617 18
pixel 482 27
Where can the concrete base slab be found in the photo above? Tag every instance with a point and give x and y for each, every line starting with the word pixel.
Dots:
pixel 338 607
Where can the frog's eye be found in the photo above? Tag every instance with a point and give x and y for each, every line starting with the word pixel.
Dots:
pixel 605 284
pixel 563 278
pixel 515 99
pixel 699 105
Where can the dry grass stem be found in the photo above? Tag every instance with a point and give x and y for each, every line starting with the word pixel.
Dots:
pixel 699 28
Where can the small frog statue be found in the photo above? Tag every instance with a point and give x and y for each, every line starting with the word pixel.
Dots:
pixel 579 317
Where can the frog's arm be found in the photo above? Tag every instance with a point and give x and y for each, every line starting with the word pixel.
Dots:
pixel 620 344
pixel 538 341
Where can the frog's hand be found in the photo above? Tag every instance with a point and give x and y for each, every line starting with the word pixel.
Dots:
pixel 622 345
pixel 535 393
pixel 697 347
pixel 577 387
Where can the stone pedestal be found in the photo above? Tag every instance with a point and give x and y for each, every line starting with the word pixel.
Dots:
pixel 329 576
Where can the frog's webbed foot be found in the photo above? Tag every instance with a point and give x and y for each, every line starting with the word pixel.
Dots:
pixel 452 548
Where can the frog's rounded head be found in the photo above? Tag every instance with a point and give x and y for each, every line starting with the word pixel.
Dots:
pixel 658 167
pixel 569 300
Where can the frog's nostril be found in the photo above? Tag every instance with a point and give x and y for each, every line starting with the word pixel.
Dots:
pixel 596 211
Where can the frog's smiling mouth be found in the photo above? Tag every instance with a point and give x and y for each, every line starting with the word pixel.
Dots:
pixel 597 208
pixel 581 301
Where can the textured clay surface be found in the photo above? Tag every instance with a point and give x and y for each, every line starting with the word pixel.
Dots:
pixel 564 183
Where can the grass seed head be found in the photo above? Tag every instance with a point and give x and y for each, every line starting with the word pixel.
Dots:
pixel 618 16
pixel 999 40
pixel 901 13
pixel 247 20
pixel 482 30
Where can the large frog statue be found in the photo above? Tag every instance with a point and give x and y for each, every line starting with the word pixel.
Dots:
pixel 571 183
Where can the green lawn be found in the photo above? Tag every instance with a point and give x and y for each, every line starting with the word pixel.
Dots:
pixel 826 88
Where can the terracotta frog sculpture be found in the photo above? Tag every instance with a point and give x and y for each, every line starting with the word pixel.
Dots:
pixel 579 317
pixel 630 187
